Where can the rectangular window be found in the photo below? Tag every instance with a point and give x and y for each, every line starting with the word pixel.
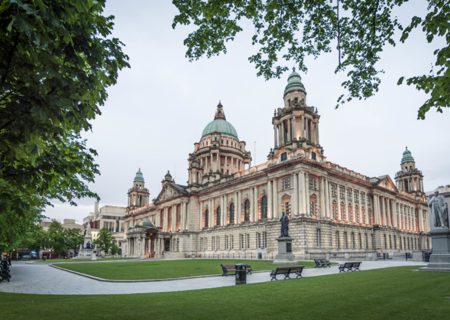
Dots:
pixel 313 155
pixel 232 242
pixel 265 239
pixel 286 183
pixel 242 241
pixel 284 156
pixel 248 241
pixel 318 238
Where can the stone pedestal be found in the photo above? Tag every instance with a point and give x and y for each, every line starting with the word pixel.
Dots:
pixel 285 256
pixel 440 258
pixel 94 256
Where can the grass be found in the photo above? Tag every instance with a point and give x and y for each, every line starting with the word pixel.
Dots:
pixel 159 269
pixel 393 293
pixel 76 260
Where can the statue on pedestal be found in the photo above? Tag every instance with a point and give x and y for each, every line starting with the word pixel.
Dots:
pixel 284 226
pixel 439 210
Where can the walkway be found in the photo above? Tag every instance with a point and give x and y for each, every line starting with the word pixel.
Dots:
pixel 43 279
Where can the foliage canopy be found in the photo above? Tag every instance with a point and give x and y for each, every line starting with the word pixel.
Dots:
pixel 360 28
pixel 56 61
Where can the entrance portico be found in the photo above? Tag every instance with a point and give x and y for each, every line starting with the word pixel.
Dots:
pixel 143 240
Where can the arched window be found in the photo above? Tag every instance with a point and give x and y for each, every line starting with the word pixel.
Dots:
pixel 206 218
pixel 357 214
pixel 218 216
pixel 232 212
pixel 264 207
pixel 350 213
pixel 343 216
pixel 247 210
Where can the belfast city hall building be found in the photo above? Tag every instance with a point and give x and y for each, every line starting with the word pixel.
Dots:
pixel 230 209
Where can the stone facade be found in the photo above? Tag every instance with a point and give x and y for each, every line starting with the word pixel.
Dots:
pixel 227 209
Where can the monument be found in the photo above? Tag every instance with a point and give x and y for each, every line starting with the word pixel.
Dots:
pixel 87 248
pixel 440 235
pixel 284 256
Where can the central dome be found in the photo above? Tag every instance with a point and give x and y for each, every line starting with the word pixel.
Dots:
pixel 221 126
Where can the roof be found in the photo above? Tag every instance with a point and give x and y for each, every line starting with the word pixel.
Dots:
pixel 222 126
pixel 139 176
pixel 294 82
pixel 407 157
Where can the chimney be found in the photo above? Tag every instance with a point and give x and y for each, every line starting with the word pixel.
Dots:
pixel 95 211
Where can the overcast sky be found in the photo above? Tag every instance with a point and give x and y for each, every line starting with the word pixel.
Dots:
pixel 160 106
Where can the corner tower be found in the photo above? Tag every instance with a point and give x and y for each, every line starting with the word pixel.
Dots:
pixel 138 195
pixel 409 179
pixel 219 153
pixel 296 125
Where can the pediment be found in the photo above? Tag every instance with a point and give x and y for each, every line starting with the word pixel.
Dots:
pixel 168 192
pixel 388 184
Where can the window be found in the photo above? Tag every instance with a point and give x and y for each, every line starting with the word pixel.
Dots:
pixel 286 183
pixel 264 207
pixel 218 212
pixel 360 240
pixel 242 241
pixel 247 210
pixel 313 205
pixel 248 241
pixel 345 240
pixel 338 242
pixel 232 242
pixel 232 213
pixel 213 243
pixel 333 190
pixel 283 156
pixel 265 239
pixel 318 238
pixel 313 155
pixel 206 218
pixel 258 239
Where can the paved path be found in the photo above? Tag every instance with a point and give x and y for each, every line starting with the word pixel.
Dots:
pixel 43 279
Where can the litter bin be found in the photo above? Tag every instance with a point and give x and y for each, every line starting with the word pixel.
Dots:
pixel 193 256
pixel 241 273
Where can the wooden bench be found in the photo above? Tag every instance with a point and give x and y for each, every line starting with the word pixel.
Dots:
pixel 349 266
pixel 230 268
pixel 287 271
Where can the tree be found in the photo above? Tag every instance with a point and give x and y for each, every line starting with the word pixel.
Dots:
pixel 56 238
pixel 114 249
pixel 35 238
pixel 360 29
pixel 74 238
pixel 56 61
pixel 105 240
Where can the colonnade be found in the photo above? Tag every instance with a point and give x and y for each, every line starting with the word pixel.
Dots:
pixel 162 219
pixel 213 162
pixel 410 184
pixel 296 126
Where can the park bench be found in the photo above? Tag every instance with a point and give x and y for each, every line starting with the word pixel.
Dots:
pixel 322 263
pixel 349 266
pixel 325 263
pixel 230 268
pixel 287 271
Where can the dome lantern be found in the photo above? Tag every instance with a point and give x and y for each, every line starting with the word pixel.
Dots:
pixel 139 176
pixel 294 83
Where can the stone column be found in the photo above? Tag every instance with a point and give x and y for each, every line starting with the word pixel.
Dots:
pixel 302 120
pixel 223 211
pixel 329 199
pixel 275 198
pixel 307 210
pixel 280 141
pixel 275 144
pixel 306 127
pixel 255 200
pixel 269 199
pixel 282 134
pixel 165 220
pixel 239 207
pixel 301 191
pixel 174 218
pixel 211 162
pixel 346 204
pixel 317 132
pixel 289 129
pixel 295 197
pixel 211 212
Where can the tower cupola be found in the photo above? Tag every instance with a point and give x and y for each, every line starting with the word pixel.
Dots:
pixel 138 195
pixel 409 179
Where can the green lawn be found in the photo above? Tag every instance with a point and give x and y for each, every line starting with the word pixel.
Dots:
pixel 394 293
pixel 159 269
pixel 77 260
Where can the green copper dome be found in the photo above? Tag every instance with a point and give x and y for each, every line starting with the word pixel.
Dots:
pixel 294 82
pixel 139 176
pixel 221 126
pixel 407 157
pixel 144 223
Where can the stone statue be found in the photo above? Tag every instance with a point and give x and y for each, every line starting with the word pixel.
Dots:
pixel 88 229
pixel 284 226
pixel 439 210
pixel 88 245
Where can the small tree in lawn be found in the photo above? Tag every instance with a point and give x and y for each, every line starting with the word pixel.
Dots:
pixel 114 250
pixel 105 240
